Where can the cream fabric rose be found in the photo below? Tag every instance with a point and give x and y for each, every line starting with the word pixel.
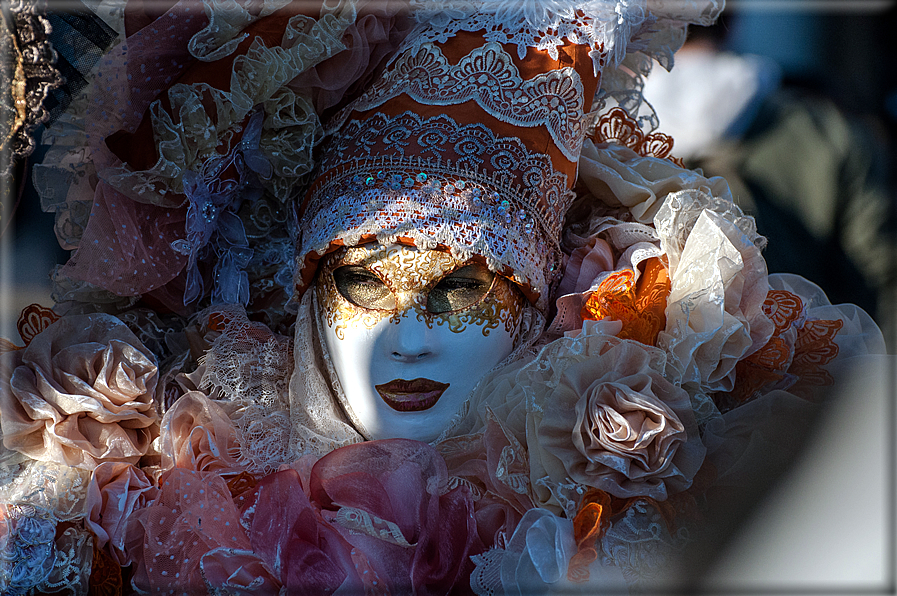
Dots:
pixel 610 420
pixel 80 393
pixel 594 410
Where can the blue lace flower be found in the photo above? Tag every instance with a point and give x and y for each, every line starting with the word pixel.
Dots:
pixel 212 221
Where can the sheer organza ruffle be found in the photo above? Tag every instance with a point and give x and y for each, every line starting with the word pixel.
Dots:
pixel 374 516
pixel 136 213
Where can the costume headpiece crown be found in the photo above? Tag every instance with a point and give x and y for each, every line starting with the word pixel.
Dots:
pixel 465 143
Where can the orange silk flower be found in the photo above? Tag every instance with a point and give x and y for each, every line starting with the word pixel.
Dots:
pixel 639 305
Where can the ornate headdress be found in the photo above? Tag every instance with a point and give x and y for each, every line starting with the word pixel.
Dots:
pixel 194 179
pixel 469 141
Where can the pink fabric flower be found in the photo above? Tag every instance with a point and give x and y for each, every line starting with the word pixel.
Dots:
pixel 198 435
pixel 287 533
pixel 116 490
pixel 80 393
pixel 390 499
pixel 615 423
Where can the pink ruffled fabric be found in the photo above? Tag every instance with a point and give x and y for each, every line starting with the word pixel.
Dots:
pixel 377 32
pixel 373 517
pixel 126 245
pixel 494 464
pixel 193 515
pixel 584 266
pixel 116 491
pixel 80 393
pixel 370 490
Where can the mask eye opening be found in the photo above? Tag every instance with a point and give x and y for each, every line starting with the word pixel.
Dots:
pixel 429 305
pixel 363 288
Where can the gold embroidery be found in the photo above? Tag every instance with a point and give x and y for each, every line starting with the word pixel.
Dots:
pixel 362 285
pixel 502 305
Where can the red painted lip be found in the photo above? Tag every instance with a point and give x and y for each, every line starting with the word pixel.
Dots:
pixel 411 396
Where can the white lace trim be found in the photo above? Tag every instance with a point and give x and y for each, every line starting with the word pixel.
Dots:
pixel 360 521
pixel 603 25
pixel 516 173
pixel 487 75
pixel 35 497
pixel 319 425
pixel 250 366
pixel 507 210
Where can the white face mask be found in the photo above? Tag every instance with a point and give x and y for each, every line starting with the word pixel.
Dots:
pixel 410 333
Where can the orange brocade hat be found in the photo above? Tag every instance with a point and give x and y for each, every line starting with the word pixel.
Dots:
pixel 465 144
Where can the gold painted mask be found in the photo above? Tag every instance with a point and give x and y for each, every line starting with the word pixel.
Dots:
pixel 410 332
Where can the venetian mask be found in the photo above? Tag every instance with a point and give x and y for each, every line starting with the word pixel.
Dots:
pixel 410 332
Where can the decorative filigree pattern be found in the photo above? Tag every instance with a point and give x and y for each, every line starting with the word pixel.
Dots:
pixel 815 347
pixel 620 128
pixel 513 173
pixel 362 522
pixel 767 367
pixel 410 275
pixel 507 209
pixel 792 359
pixel 488 76
pixel 34 319
pixel 27 74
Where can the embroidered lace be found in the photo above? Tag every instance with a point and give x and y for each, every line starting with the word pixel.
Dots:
pixel 504 209
pixel 543 25
pixel 641 545
pixel 488 76
pixel 34 498
pixel 249 366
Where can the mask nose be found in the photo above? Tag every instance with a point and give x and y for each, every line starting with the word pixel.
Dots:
pixel 411 340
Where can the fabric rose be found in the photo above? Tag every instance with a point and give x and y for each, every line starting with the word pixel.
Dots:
pixel 115 491
pixel 197 434
pixel 288 535
pixel 611 421
pixel 719 284
pixel 80 393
